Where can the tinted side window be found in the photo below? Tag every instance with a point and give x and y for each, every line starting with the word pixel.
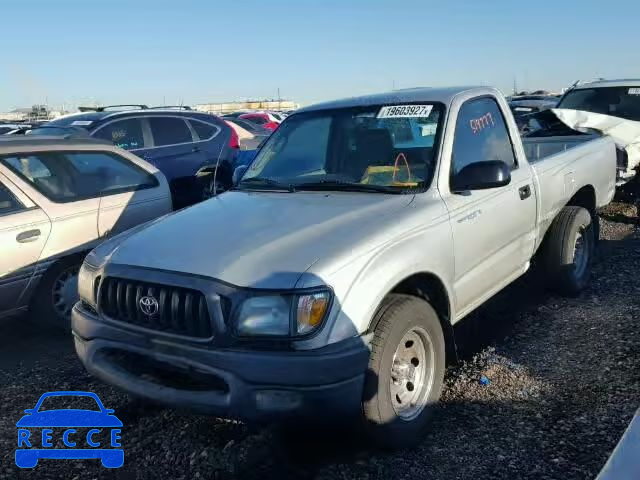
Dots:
pixel 69 176
pixel 125 134
pixel 481 135
pixel 204 130
pixel 169 131
pixel 8 203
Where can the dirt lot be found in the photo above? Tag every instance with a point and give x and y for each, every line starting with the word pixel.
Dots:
pixel 564 383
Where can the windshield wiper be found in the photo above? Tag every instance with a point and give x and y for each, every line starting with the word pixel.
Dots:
pixel 347 187
pixel 268 183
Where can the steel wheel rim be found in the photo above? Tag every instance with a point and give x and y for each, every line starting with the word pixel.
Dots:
pixel 412 374
pixel 580 252
pixel 65 292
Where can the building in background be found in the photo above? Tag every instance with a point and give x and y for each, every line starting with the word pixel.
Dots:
pixel 229 107
pixel 37 113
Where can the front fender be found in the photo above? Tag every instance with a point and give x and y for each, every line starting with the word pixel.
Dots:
pixel 361 284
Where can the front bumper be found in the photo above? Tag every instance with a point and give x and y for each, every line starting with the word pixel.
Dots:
pixel 243 384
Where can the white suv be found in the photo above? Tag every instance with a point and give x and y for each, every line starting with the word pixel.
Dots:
pixel 59 197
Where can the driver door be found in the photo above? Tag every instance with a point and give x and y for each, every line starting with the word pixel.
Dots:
pixel 493 229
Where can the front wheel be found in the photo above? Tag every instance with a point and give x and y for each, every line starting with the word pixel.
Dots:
pixel 57 294
pixel 569 249
pixel 406 371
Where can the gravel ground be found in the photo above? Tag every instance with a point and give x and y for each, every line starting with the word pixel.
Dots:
pixel 563 382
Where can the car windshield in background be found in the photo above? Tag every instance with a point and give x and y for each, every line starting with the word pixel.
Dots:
pixel 385 148
pixel 623 102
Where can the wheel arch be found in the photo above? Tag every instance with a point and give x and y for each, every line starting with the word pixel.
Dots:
pixel 430 288
pixel 224 170
pixel 42 271
pixel 585 197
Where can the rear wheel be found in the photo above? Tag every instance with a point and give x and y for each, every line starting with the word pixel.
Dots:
pixel 212 187
pixel 569 250
pixel 406 371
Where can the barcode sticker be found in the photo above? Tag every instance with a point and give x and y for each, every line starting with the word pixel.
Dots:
pixel 405 111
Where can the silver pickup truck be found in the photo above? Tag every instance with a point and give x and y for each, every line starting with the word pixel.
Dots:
pixel 363 230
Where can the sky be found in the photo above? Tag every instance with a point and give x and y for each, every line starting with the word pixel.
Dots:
pixel 197 51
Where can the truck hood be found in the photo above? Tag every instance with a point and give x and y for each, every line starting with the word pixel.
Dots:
pixel 625 133
pixel 256 239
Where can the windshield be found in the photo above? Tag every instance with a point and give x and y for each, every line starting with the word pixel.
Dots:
pixel 623 102
pixel 392 147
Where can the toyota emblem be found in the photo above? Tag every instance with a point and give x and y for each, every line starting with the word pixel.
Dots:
pixel 148 305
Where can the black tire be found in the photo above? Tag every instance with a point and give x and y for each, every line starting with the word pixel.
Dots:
pixel 570 246
pixel 397 317
pixel 43 310
pixel 212 187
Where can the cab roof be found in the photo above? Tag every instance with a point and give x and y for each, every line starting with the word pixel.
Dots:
pixel 410 95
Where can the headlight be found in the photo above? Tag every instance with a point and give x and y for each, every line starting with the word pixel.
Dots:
pixel 86 284
pixel 264 316
pixel 282 315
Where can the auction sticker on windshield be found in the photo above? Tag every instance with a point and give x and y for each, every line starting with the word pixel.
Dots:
pixel 405 111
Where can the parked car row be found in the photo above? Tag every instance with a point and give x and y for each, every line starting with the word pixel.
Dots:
pixel 195 151
pixel 72 182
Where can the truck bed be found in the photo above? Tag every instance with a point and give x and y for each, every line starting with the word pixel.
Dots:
pixel 563 163
pixel 538 148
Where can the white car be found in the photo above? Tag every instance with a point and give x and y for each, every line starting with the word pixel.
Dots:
pixel 60 197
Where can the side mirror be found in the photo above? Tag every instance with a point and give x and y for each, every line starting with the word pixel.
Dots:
pixel 481 176
pixel 238 173
pixel 30 410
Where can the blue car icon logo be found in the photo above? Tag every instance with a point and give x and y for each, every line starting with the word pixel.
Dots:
pixel 84 432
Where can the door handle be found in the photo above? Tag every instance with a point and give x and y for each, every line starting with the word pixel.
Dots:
pixel 28 236
pixel 195 149
pixel 525 192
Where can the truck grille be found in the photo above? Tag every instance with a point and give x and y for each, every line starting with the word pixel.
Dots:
pixel 179 311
